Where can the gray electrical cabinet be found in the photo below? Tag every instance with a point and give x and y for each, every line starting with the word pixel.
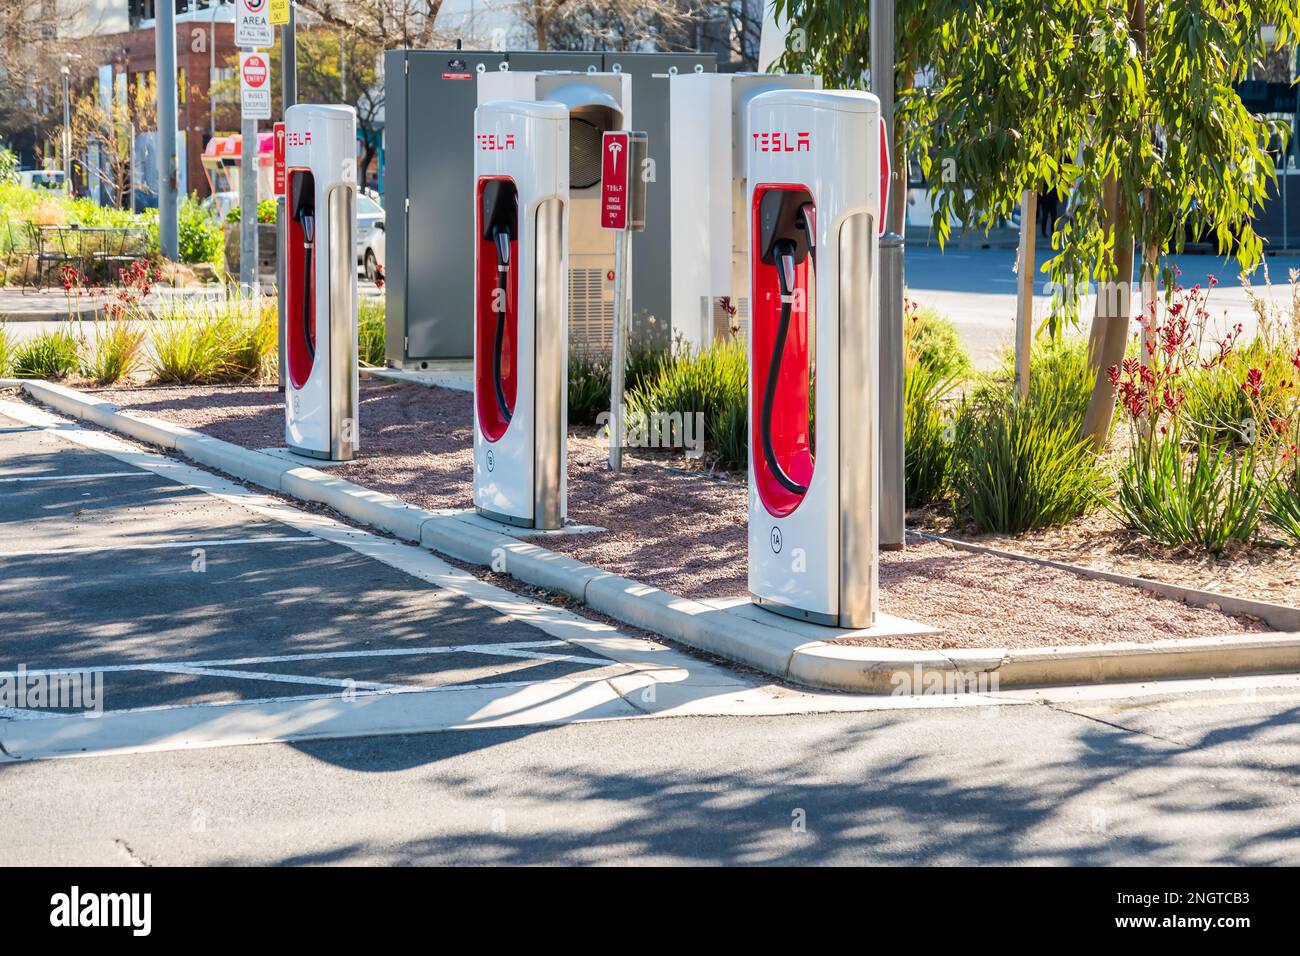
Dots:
pixel 428 188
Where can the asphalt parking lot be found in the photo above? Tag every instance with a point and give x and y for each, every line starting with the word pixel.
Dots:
pixel 179 599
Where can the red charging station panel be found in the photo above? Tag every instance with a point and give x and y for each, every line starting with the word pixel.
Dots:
pixel 300 284
pixel 491 420
pixel 791 409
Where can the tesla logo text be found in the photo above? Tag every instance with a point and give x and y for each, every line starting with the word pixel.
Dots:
pixel 493 142
pixel 783 142
pixel 299 139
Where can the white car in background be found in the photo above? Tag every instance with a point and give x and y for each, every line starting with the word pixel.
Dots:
pixel 370 235
pixel 50 179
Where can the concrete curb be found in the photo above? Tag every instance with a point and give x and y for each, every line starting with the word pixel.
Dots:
pixel 772 649
pixel 1279 616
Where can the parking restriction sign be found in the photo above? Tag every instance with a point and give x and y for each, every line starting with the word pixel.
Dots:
pixel 253 25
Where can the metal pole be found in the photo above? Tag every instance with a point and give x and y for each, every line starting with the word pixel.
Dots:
pixel 212 66
pixel 165 50
pixel 1025 296
pixel 289 58
pixel 288 97
pixel 248 157
pixel 618 360
pixel 892 530
pixel 67 134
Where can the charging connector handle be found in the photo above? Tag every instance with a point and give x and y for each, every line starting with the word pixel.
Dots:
pixel 784 254
pixel 501 238
pixel 306 217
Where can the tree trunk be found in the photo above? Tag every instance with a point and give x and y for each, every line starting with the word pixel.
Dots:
pixel 1110 328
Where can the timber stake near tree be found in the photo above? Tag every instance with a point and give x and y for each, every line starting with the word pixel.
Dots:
pixel 791 432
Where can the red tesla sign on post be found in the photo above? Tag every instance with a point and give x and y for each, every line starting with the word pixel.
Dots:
pixel 279 159
pixel 613 180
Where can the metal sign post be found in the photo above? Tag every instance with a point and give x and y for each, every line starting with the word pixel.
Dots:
pixel 622 209
pixel 280 256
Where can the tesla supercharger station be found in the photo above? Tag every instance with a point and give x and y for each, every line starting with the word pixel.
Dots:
pixel 521 192
pixel 814 201
pixel 709 146
pixel 320 314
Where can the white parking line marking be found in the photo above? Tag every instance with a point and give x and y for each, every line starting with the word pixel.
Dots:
pixel 16 713
pixel 508 649
pixel 102 474
pixel 222 668
pixel 159 545
pixel 275 678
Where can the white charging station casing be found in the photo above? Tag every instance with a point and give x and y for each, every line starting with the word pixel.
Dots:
pixel 321 391
pixel 818 562
pixel 520 476
pixel 709 147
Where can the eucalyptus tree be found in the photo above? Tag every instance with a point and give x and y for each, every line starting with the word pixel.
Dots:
pixel 1125 107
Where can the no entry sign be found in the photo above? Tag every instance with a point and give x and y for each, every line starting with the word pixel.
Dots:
pixel 255 85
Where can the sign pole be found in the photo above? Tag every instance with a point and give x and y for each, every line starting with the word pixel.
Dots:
pixel 622 209
pixel 893 532
pixel 253 32
pixel 281 13
pixel 165 51
pixel 618 362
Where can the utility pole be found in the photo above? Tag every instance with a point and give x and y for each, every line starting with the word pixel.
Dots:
pixel 892 519
pixel 165 51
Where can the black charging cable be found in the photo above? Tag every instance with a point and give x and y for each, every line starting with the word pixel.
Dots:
pixel 784 251
pixel 501 237
pixel 307 219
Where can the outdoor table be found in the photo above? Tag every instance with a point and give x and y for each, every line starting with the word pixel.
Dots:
pixel 86 247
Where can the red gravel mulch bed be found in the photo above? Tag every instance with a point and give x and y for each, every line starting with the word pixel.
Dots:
pixel 686 533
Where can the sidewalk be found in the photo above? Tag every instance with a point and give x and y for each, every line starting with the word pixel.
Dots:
pixel 46 305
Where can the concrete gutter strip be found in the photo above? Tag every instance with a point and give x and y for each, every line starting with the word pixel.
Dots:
pixel 1278 616
pixel 772 649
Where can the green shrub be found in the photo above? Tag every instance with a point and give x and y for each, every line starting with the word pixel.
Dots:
pixel 190 351
pixel 198 231
pixel 1282 505
pixel 9 167
pixel 1203 498
pixel 589 380
pixel 1216 401
pixel 254 354
pixel 1020 466
pixel 47 355
pixel 714 382
pixel 6 350
pixel 937 342
pixel 934 363
pixel 199 343
pixel 266 212
pixel 115 351
pixel 588 388
pixel 928 435
pixel 370 331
